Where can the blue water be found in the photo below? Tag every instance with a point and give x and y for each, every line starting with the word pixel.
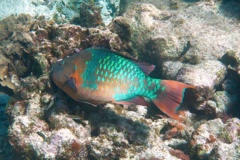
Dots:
pixel 4 99
pixel 5 149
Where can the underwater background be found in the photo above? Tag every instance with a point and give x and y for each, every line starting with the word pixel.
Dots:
pixel 191 41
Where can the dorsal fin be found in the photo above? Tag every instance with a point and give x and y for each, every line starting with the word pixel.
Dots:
pixel 145 67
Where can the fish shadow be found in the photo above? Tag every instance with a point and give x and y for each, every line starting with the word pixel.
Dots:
pixel 111 123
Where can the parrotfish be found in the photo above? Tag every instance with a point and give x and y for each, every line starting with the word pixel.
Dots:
pixel 99 76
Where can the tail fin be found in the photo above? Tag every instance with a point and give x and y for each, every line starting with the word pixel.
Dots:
pixel 170 97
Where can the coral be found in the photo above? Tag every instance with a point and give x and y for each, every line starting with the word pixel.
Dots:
pixel 173 130
pixel 225 101
pixel 13 59
pixel 5 80
pixel 232 59
pixel 215 139
pixel 179 154
pixel 204 101
pixel 208 74
pixel 62 11
pixel 109 9
pixel 224 117
pixel 39 123
pixel 171 68
pixel 34 43
pixel 121 26
pixel 46 143
pixel 90 15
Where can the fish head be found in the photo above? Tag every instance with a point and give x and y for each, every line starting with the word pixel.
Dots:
pixel 66 73
pixel 61 72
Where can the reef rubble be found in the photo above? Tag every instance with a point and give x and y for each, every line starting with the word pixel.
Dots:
pixel 45 123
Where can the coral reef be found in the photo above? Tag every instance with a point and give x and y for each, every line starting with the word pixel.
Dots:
pixel 215 139
pixel 189 42
pixel 121 26
pixel 62 11
pixel 36 48
pixel 90 15
pixel 109 9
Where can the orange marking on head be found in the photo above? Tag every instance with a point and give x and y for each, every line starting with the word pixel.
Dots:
pixel 77 78
pixel 77 74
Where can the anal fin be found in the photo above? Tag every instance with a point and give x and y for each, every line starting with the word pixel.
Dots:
pixel 137 100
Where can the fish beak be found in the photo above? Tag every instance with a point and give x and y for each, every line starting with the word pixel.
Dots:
pixel 61 76
pixel 58 74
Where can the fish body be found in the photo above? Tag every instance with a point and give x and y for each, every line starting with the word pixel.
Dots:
pixel 99 76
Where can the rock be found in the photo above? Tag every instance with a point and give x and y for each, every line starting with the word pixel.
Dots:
pixel 43 143
pixel 226 151
pixel 121 26
pixel 43 63
pixel 208 74
pixel 216 140
pixel 118 136
pixel 171 68
pixel 6 26
pixel 159 35
pixel 231 86
pixel 162 5
pixel 90 15
pixel 224 100
pixel 109 9
pixel 232 60
pixel 144 20
pixel 5 80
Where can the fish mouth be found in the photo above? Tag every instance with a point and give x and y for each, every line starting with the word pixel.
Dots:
pixel 58 75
